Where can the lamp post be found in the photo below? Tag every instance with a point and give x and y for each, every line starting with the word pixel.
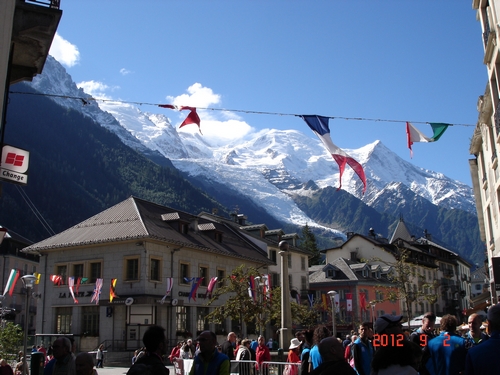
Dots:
pixel 29 282
pixel 332 295
pixel 372 305
pixel 286 310
pixel 260 289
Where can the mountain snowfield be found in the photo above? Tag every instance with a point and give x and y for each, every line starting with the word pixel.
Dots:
pixel 268 167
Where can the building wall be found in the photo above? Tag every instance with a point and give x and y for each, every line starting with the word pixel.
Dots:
pixel 485 143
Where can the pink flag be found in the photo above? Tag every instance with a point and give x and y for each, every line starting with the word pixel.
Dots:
pixel 211 286
pixel 97 291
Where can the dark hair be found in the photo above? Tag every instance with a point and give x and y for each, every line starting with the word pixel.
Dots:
pixel 449 323
pixel 152 338
pixel 320 333
pixel 407 354
pixel 308 335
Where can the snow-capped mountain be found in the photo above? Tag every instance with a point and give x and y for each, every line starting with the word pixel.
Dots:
pixel 269 168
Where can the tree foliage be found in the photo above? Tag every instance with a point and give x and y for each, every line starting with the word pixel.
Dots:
pixel 309 243
pixel 11 337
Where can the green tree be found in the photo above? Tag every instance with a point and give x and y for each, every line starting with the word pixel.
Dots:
pixel 11 337
pixel 239 306
pixel 309 243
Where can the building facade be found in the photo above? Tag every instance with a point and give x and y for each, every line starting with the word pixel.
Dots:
pixel 485 144
pixel 138 245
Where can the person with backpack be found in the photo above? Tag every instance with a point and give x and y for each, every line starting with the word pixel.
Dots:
pixel 422 336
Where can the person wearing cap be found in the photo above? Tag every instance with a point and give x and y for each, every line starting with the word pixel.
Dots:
pixel 362 350
pixel 484 359
pixel 448 350
pixel 475 336
pixel 388 325
pixel 244 354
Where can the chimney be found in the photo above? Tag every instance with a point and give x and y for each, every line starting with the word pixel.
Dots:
pixel 349 235
pixel 194 225
pixel 215 211
pixel 262 232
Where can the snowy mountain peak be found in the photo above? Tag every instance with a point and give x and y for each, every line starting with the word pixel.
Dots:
pixel 266 167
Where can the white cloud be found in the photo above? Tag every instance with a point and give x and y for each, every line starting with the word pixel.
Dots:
pixel 64 52
pixel 218 126
pixel 124 71
pixel 95 88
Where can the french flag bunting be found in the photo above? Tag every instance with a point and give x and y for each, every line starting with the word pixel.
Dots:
pixel 211 286
pixel 97 291
pixel 196 283
pixel 71 285
pixel 170 284
pixel 319 126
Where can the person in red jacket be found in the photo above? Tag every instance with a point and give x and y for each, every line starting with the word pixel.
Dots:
pixel 176 352
pixel 262 353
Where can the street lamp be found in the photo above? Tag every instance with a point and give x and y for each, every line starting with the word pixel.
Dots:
pixel 286 310
pixel 29 282
pixel 332 295
pixel 372 305
pixel 260 289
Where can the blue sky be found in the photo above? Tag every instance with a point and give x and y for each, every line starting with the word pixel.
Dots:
pixel 418 61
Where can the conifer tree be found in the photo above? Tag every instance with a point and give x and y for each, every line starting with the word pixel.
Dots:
pixel 309 243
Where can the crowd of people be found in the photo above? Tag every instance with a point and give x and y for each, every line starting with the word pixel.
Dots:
pixel 379 348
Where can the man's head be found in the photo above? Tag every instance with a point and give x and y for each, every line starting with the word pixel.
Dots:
pixel 474 322
pixel 62 347
pixel 388 324
pixel 3 362
pixel 84 364
pixel 449 323
pixel 246 342
pixel 331 349
pixel 494 318
pixel 154 340
pixel 365 330
pixel 428 321
pixel 207 341
pixel 231 337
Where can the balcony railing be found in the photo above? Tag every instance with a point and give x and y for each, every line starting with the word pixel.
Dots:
pixel 54 4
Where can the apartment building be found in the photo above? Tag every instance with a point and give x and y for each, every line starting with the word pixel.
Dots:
pixel 484 144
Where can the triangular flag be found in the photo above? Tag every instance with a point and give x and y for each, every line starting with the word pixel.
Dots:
pixel 415 135
pixel 170 284
pixel 71 284
pixel 192 117
pixel 11 282
pixel 112 287
pixel 319 126
pixel 211 286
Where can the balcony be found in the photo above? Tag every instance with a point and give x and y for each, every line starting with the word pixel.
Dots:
pixel 34 26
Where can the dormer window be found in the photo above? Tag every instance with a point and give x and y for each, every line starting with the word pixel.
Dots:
pixel 365 272
pixel 330 273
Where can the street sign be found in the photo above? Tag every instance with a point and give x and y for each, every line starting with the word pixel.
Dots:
pixel 14 165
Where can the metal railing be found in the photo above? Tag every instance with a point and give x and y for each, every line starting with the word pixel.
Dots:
pixel 54 4
pixel 246 368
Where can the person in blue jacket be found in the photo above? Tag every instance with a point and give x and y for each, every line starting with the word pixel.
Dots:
pixel 209 360
pixel 448 350
pixel 484 359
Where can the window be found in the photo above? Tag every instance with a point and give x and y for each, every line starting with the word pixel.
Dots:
pixel 289 260
pixel 63 319
pixel 78 270
pixel 154 269
pixel 303 283
pixel 90 320
pixel 181 313
pixel 303 263
pixel 201 322
pixel 330 273
pixel 184 273
pixel 272 255
pixel 131 269
pixel 221 274
pixel 62 270
pixel 95 271
pixel 203 273
pixel 275 280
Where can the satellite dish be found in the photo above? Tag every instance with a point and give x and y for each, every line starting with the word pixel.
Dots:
pixel 175 301
pixel 129 301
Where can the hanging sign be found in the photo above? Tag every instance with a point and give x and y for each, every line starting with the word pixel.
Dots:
pixel 14 165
